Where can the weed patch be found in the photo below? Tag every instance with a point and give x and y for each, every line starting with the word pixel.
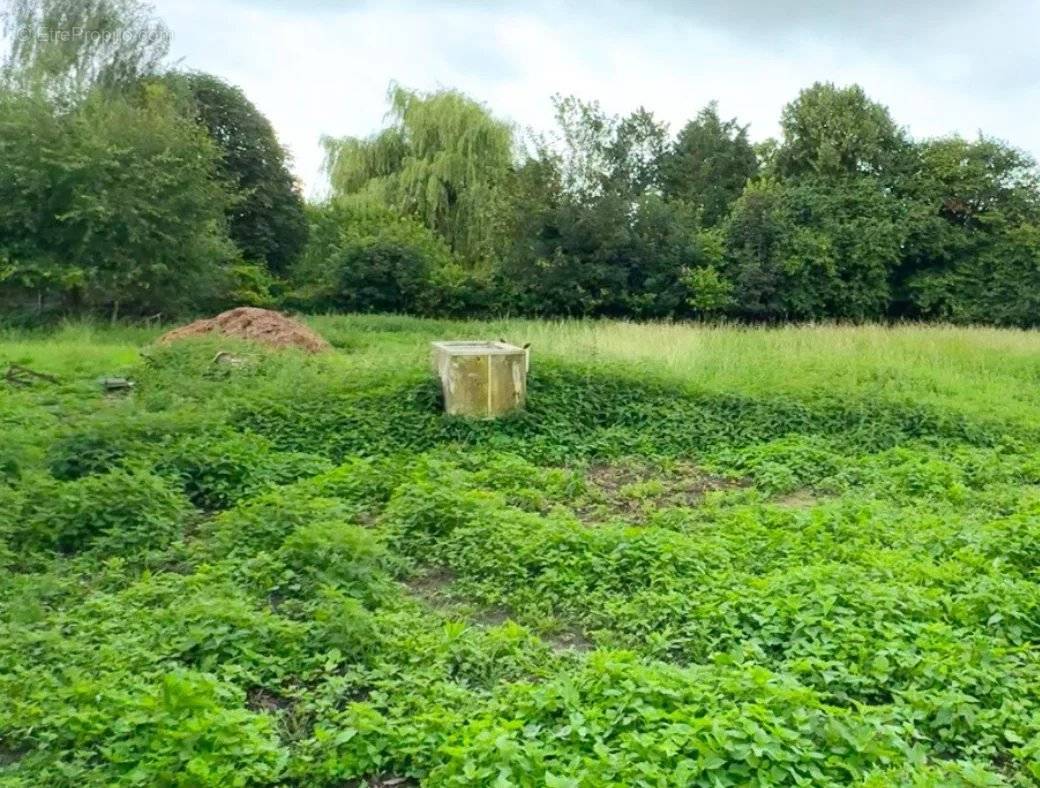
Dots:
pixel 300 572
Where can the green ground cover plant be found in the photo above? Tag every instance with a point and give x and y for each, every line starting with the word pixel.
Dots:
pixel 671 570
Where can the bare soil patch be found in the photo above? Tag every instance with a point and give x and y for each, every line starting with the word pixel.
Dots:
pixel 432 587
pixel 263 326
pixel 631 490
pixel 261 699
pixel 569 640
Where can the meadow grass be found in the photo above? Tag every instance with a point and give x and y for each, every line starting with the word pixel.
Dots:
pixel 977 371
pixel 704 555
pixel 984 372
pixel 75 347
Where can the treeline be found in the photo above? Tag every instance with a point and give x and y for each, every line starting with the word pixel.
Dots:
pixel 845 216
pixel 130 189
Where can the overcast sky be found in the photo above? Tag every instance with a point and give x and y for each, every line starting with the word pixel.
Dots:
pixel 319 67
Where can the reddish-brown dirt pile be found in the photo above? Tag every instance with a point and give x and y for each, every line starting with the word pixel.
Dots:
pixel 257 325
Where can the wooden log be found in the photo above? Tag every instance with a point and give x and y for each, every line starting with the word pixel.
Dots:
pixel 481 379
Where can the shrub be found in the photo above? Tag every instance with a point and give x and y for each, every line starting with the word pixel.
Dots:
pixel 218 472
pixel 120 511
pixel 784 464
pixel 656 724
pixel 339 555
pixel 341 622
pixel 181 728
pixel 359 481
pixel 262 523
pixel 108 439
pixel 217 629
pixel 251 285
pixel 135 219
pixel 367 259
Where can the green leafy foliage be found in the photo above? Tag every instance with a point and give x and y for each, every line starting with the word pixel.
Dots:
pixel 116 512
pixel 300 571
pixel 832 131
pixel 266 221
pixel 108 45
pixel 710 162
pixel 128 189
pixel 216 472
pixel 365 258
pixel 971 255
pixel 183 729
pixel 843 217
pixel 814 248
pixel 347 557
pixel 442 161
pixel 842 593
pixel 101 169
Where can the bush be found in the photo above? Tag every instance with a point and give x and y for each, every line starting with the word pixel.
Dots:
pixel 341 622
pixel 363 258
pixel 120 511
pixel 262 523
pixel 339 555
pixel 135 211
pixel 662 725
pixel 182 728
pixel 109 439
pixel 251 285
pixel 217 473
pixel 363 484
pixel 814 249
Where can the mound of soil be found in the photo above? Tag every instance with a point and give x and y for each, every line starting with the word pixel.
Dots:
pixel 257 325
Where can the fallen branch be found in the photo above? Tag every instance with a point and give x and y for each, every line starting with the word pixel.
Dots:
pixel 23 376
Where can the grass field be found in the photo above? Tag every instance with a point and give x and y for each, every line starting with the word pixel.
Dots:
pixel 703 556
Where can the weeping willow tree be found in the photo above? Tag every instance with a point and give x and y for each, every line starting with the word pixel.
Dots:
pixel 67 48
pixel 443 159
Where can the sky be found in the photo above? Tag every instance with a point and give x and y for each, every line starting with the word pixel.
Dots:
pixel 322 67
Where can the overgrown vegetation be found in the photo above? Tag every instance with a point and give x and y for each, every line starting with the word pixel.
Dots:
pixel 702 556
pixel 300 572
pixel 130 189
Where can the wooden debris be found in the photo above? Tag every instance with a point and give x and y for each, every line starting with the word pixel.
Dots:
pixel 17 375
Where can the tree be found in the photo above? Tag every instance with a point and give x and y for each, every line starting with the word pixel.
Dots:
pixel 972 253
pixel 814 248
pixel 573 261
pixel 708 164
pixel 114 204
pixel 831 132
pixel 109 196
pixel 266 221
pixel 366 258
pixel 615 255
pixel 443 160
pixel 597 154
pixel 67 48
pixel 592 234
